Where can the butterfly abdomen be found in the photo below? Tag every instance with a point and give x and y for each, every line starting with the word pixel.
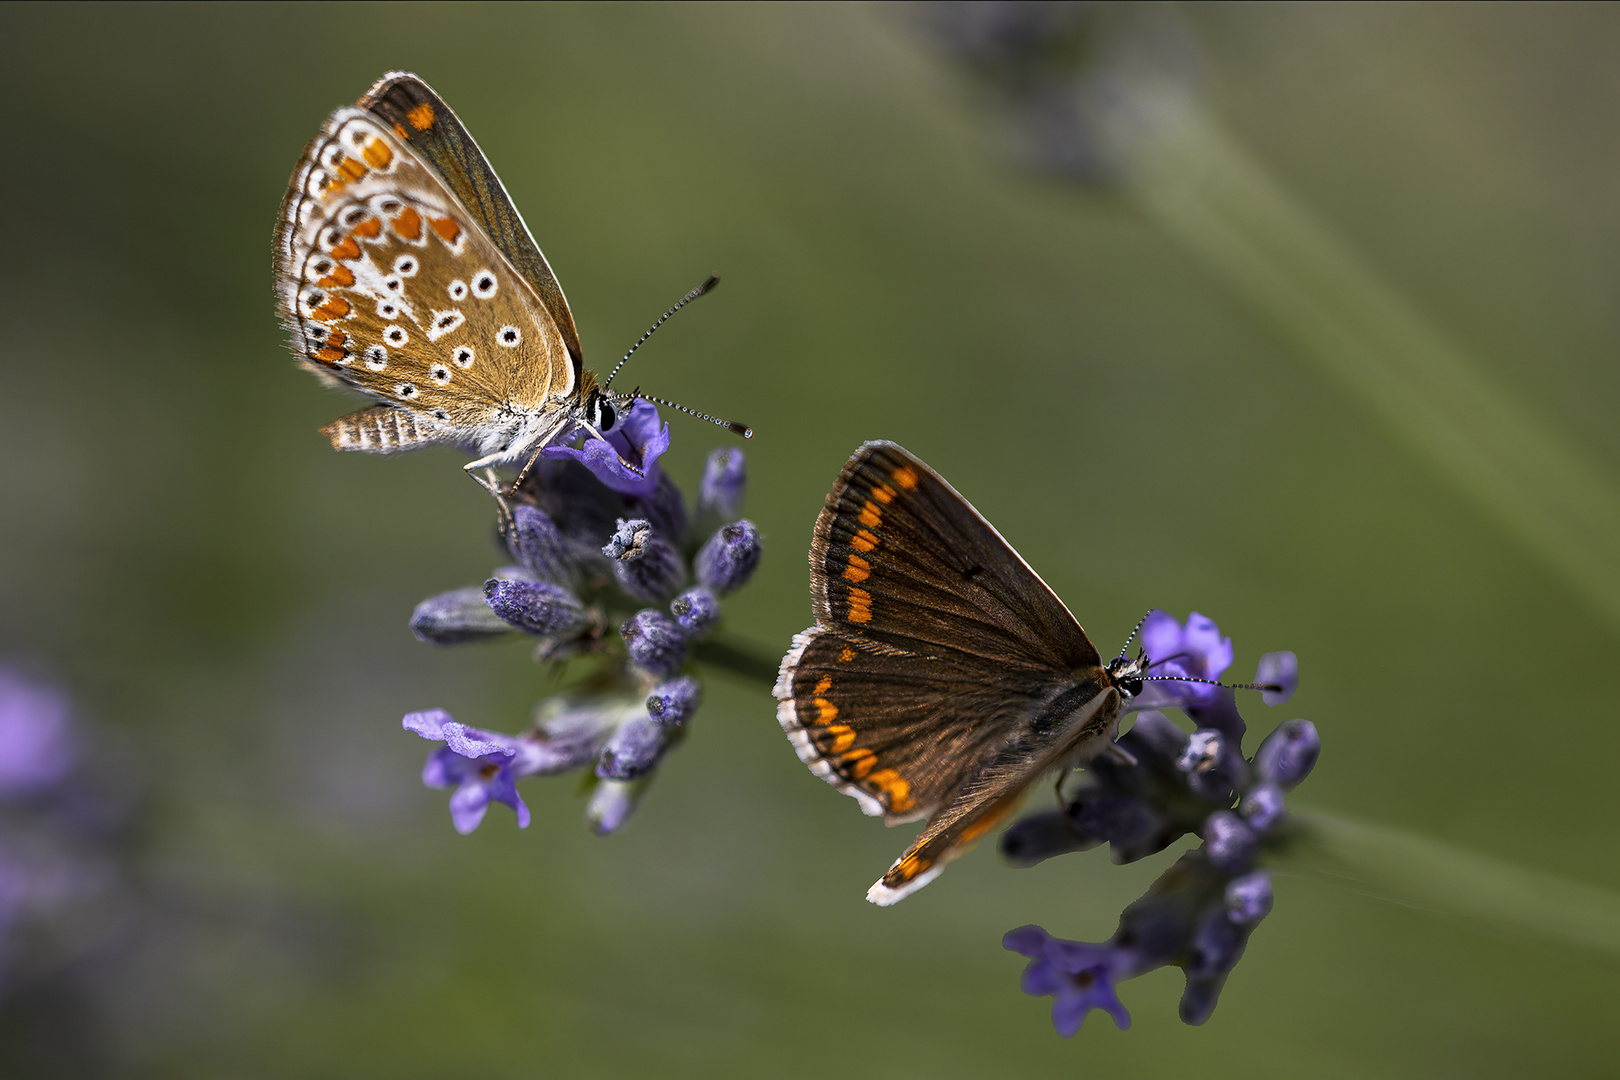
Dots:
pixel 383 429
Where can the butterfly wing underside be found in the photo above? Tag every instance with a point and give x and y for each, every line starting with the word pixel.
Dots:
pixel 420 118
pixel 942 675
pixel 390 286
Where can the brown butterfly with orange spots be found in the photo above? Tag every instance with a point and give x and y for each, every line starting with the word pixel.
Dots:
pixel 942 676
pixel 404 271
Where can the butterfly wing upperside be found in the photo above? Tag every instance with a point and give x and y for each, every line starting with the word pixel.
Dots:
pixel 421 119
pixel 942 676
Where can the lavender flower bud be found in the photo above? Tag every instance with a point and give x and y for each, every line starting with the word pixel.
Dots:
pixel 1279 670
pixel 1116 819
pixel 537 543
pixel 1040 836
pixel 672 703
pixel 655 644
pixel 611 805
pixel 537 607
pixel 1248 898
pixel 1212 768
pixel 647 567
pixel 1288 754
pixel 1228 842
pixel 1215 946
pixel 720 493
pixel 729 558
pixel 696 610
pixel 1262 806
pixel 455 617
pixel 1154 740
pixel 38 743
pixel 634 750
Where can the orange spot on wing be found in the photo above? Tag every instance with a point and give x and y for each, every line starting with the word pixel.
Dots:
pixel 871 515
pixel 448 230
pixel 990 820
pixel 350 169
pixel 897 789
pixel 863 541
pixel 348 249
pixel 906 477
pixel 370 228
pixel 824 684
pixel 858 569
pixel 421 117
pixel 329 355
pixel 408 224
pixel 883 493
pixel 860 762
pixel 909 867
pixel 826 711
pixel 843 737
pixel 340 276
pixel 399 129
pixel 846 654
pixel 860 602
pixel 333 307
pixel 377 154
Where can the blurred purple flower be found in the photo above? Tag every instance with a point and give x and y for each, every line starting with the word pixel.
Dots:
pixel 38 746
pixel 626 458
pixel 477 763
pixel 1195 650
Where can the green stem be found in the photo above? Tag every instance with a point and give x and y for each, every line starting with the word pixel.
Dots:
pixel 1404 868
pixel 1200 186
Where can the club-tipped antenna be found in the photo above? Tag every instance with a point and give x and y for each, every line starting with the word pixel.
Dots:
pixel 1262 687
pixel 731 425
pixel 714 279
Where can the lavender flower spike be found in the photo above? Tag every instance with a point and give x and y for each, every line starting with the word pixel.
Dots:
pixel 476 763
pixel 655 643
pixel 647 567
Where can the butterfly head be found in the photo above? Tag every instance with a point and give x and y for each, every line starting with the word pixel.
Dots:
pixel 1128 673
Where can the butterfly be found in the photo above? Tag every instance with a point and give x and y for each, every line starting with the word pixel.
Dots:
pixel 404 271
pixel 943 676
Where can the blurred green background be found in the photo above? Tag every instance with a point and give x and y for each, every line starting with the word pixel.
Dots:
pixel 227 598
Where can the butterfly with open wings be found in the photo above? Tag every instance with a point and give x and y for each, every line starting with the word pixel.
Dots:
pixel 943 676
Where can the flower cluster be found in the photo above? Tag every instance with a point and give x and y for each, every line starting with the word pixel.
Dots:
pixel 600 537
pixel 1154 785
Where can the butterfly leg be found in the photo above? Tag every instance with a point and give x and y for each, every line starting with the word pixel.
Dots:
pixel 484 475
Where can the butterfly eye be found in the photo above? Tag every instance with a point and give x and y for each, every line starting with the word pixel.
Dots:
pixel 605 416
pixel 484 285
pixel 509 336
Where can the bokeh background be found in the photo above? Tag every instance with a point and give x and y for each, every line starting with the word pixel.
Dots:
pixel 226 598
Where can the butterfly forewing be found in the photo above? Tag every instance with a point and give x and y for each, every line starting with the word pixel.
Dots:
pixel 900 558
pixel 420 118
pixel 390 287
pixel 943 676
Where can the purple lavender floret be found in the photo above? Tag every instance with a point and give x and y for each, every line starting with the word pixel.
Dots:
pixel 588 533
pixel 1155 785
pixel 1079 976
pixel 626 458
pixel 477 763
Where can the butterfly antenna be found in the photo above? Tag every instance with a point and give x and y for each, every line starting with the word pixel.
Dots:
pixel 1273 687
pixel 735 428
pixel 1139 623
pixel 714 279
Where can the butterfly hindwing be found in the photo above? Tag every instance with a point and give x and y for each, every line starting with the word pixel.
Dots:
pixel 420 118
